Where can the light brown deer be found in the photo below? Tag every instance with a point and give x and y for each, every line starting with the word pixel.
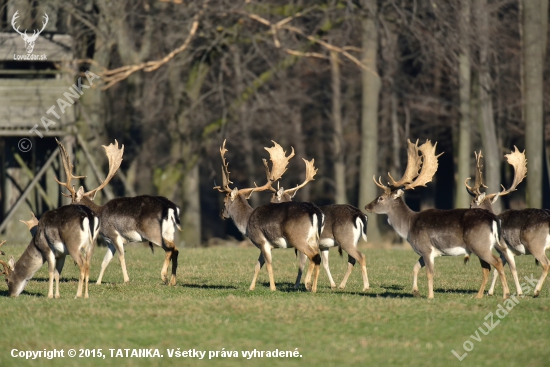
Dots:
pixel 68 230
pixel 344 226
pixel 272 226
pixel 123 220
pixel 434 232
pixel 524 231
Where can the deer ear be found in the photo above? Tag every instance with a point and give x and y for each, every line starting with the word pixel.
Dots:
pixel 480 198
pixel 397 194
pixel 234 194
pixel 279 194
pixel 495 198
pixel 79 194
pixel 11 263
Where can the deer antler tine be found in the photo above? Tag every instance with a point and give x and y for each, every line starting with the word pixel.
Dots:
pixel 379 183
pixel 429 165
pixel 114 155
pixel 517 160
pixel 225 172
pixel 33 222
pixel 311 171
pixel 68 167
pixel 414 162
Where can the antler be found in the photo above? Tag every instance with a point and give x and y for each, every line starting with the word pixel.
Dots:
pixel 114 155
pixel 478 183
pixel 67 165
pixel 31 223
pixel 517 160
pixel 414 162
pixel 13 19
pixel 429 165
pixel 225 172
pixel 386 189
pixel 311 171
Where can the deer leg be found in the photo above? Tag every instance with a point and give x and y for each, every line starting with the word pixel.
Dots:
pixel 51 272
pixel 324 261
pixel 507 256
pixel 112 248
pixel 257 268
pixel 58 268
pixel 497 263
pixel 302 258
pixel 430 274
pixel 266 250
pixel 419 265
pixel 119 244
pixel 545 263
pixel 351 264
pixel 171 255
pixel 315 261
pixel 495 276
pixel 87 260
pixel 486 269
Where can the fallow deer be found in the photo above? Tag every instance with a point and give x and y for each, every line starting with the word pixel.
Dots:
pixel 343 227
pixel 272 226
pixel 524 231
pixel 68 230
pixel 434 232
pixel 128 219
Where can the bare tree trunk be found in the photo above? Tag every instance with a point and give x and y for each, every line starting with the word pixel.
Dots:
pixel 299 144
pixel 533 69
pixel 369 117
pixel 487 124
pixel 464 137
pixel 339 162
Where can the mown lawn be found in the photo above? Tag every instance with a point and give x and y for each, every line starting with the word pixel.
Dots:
pixel 211 309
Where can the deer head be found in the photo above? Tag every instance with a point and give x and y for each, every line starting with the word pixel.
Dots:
pixel 411 178
pixel 29 40
pixel 114 155
pixel 281 195
pixel 279 166
pixel 483 200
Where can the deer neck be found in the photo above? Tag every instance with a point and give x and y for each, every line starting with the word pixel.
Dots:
pixel 240 210
pixel 25 268
pixel 97 209
pixel 400 217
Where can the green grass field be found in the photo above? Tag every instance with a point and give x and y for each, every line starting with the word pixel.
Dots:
pixel 211 309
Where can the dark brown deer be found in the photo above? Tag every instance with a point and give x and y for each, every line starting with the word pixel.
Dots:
pixel 68 230
pixel 524 231
pixel 344 226
pixel 133 219
pixel 434 232
pixel 272 226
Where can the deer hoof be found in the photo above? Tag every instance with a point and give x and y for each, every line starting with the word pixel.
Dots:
pixel 536 294
pixel 366 289
pixel 416 293
pixel 308 286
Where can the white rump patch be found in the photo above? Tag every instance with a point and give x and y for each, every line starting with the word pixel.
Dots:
pixel 168 226
pixel 358 231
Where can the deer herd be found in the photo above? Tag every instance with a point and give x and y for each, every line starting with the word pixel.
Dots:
pixel 311 230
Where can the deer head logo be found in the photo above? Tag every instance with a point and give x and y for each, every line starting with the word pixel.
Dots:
pixel 29 40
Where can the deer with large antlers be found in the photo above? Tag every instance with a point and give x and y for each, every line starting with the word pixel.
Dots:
pixel 272 226
pixel 344 226
pixel 129 219
pixel 434 232
pixel 524 231
pixel 68 230
pixel 29 40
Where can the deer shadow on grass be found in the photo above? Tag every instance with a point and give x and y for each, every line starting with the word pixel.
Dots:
pixel 6 293
pixel 455 290
pixel 61 280
pixel 208 286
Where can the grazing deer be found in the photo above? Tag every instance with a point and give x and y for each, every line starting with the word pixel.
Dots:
pixel 343 227
pixel 69 230
pixel 524 231
pixel 434 232
pixel 135 219
pixel 272 226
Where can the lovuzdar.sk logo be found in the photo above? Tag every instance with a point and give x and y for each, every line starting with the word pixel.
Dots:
pixel 29 40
